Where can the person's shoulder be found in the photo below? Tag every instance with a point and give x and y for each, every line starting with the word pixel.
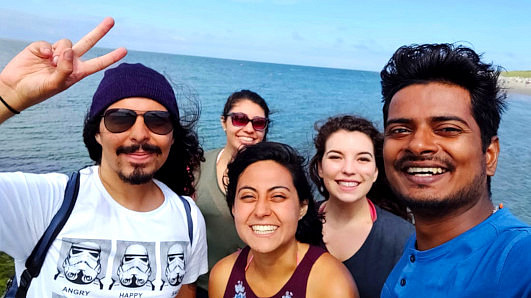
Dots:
pixel 504 221
pixel 196 212
pixel 189 199
pixel 510 231
pixel 89 171
pixel 321 285
pixel 508 250
pixel 31 180
pixel 390 217
pixel 327 262
pixel 24 175
pixel 171 195
pixel 176 201
pixel 212 153
pixel 515 279
pixel 394 222
pixel 206 171
pixel 226 262
pixel 220 274
pixel 518 246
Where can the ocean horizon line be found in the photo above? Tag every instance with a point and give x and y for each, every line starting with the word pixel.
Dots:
pixel 198 56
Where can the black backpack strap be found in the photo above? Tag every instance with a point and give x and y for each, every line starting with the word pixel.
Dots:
pixel 36 259
pixel 188 218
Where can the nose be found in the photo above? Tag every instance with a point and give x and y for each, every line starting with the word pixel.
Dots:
pixel 248 127
pixel 139 131
pixel 349 166
pixel 262 208
pixel 422 141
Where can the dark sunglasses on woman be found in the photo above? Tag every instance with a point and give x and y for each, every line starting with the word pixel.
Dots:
pixel 241 119
pixel 120 120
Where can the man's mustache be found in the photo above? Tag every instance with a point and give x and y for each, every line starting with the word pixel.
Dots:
pixel 133 148
pixel 400 164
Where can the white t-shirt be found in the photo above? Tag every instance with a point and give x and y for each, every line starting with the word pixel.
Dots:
pixel 104 249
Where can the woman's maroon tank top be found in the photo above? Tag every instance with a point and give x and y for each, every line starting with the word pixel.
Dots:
pixel 237 287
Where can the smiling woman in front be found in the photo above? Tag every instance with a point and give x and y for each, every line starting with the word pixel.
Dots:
pixel 274 213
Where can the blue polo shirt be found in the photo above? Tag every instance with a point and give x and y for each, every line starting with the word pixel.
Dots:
pixel 493 259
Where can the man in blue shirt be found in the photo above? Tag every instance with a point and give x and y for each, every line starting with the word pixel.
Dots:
pixel 442 108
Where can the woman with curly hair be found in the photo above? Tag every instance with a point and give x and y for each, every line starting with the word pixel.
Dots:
pixel 359 227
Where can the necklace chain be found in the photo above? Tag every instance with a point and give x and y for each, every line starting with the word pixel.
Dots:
pixel 500 206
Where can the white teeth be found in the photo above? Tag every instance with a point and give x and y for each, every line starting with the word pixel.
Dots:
pixel 264 229
pixel 423 175
pixel 246 139
pixel 423 172
pixel 348 183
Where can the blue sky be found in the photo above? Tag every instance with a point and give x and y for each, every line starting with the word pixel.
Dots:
pixel 330 33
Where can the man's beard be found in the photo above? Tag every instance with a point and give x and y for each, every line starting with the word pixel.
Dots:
pixel 138 176
pixel 434 206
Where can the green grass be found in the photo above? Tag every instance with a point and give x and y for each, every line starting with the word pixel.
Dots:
pixel 519 73
pixel 7 269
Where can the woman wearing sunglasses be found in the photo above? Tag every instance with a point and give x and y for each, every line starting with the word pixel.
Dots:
pixel 245 122
pixel 357 230
pixel 275 215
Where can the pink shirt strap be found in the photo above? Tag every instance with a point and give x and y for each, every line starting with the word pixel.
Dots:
pixel 374 215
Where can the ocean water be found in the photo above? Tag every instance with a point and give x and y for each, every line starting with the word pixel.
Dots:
pixel 48 137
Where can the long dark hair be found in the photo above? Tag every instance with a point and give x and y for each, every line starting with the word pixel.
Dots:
pixel 380 192
pixel 184 158
pixel 309 228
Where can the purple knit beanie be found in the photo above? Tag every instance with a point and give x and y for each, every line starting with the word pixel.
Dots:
pixel 133 80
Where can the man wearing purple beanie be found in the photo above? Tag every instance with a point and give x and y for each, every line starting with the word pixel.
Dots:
pixel 129 233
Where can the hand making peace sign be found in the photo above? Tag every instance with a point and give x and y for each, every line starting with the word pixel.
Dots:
pixel 42 70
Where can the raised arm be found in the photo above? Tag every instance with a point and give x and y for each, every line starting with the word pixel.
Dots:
pixel 42 70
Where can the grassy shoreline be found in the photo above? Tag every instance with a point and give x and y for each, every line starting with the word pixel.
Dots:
pixel 7 269
pixel 517 73
pixel 516 81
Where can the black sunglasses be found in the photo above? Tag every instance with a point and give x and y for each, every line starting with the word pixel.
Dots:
pixel 120 120
pixel 241 119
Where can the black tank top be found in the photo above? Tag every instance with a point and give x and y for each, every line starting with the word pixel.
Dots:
pixel 237 287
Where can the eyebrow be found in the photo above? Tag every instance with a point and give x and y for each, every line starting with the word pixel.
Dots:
pixel 279 187
pixel 332 151
pixel 449 118
pixel 270 189
pixel 339 152
pixel 365 152
pixel 398 120
pixel 246 188
pixel 433 119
